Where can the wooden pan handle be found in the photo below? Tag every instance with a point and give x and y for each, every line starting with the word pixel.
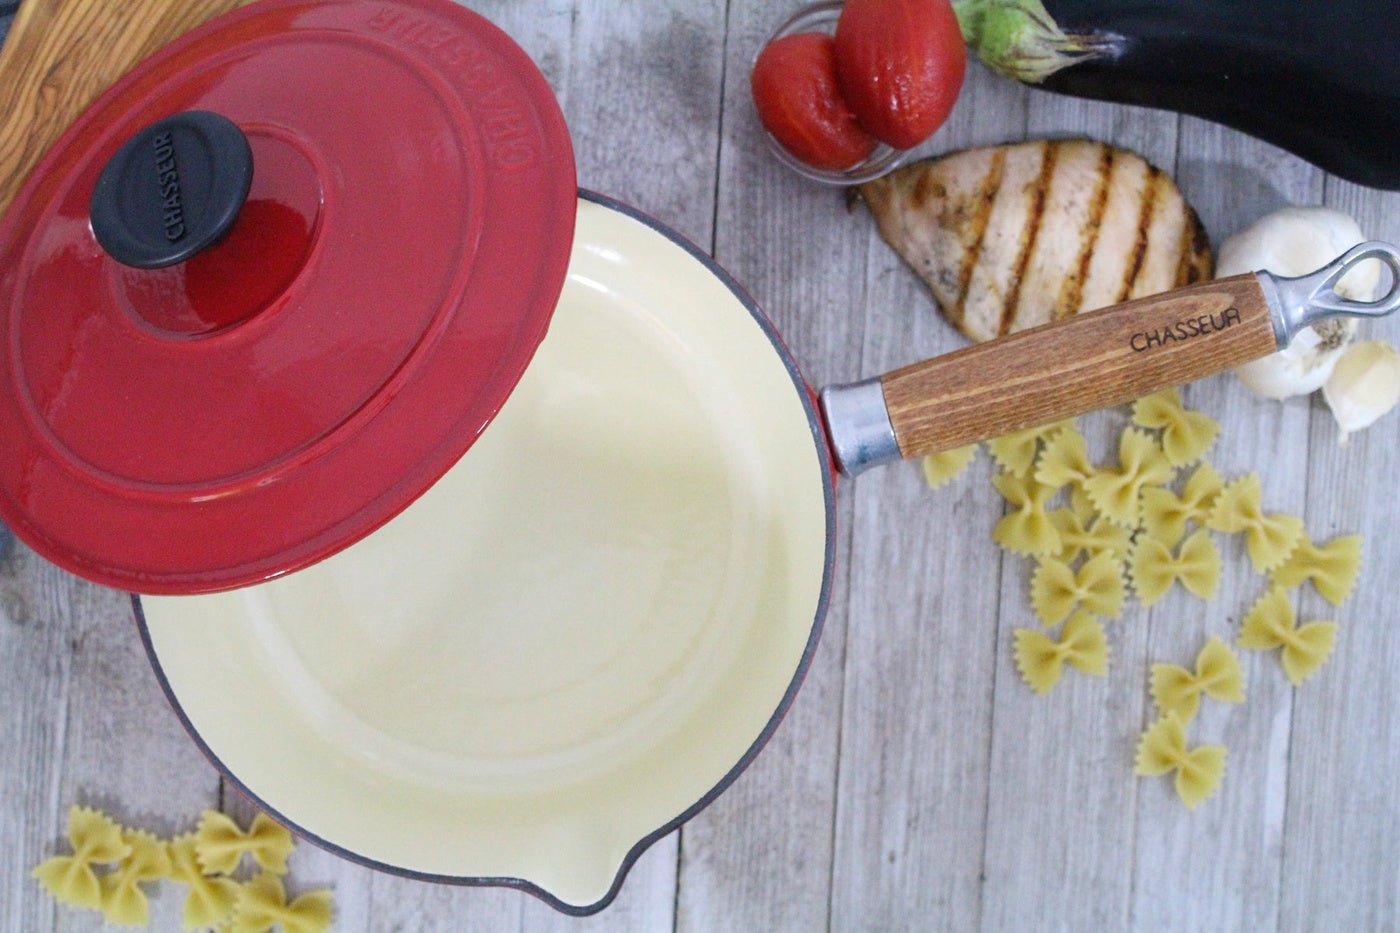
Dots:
pixel 61 54
pixel 1081 364
pixel 1059 370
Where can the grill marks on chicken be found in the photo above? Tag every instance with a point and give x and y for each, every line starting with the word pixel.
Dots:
pixel 1011 237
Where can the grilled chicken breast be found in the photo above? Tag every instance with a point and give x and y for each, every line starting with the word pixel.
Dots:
pixel 1010 237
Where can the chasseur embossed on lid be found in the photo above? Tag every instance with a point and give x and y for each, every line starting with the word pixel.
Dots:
pixel 231 410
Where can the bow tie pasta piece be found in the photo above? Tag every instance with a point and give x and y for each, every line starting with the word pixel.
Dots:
pixel 1269 539
pixel 1099 535
pixel 1081 505
pixel 96 840
pixel 1165 515
pixel 1115 492
pixel 263 904
pixel 1027 530
pixel 1015 453
pixel 1332 567
pixel 1081 644
pixel 1064 460
pixel 210 900
pixel 220 844
pixel 1204 484
pixel 1056 589
pixel 943 467
pixel 1153 568
pixel 1186 435
pixel 1272 540
pixel 1270 623
pixel 1162 749
pixel 1237 506
pixel 1218 675
pixel 123 901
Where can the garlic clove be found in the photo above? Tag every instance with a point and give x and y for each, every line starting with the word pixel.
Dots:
pixel 1295 241
pixel 1364 385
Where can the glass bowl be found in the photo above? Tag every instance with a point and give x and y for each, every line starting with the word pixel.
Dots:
pixel 822 17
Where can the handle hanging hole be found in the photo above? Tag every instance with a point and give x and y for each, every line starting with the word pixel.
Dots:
pixel 1305 300
pixel 1324 295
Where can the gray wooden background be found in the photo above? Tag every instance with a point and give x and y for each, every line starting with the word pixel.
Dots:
pixel 917 784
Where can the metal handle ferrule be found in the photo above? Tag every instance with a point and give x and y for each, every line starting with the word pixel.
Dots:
pixel 858 426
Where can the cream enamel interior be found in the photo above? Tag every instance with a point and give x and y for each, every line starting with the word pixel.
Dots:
pixel 575 635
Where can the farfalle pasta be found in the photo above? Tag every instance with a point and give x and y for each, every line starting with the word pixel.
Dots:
pixel 943 467
pixel 1153 567
pixel 210 900
pixel 1332 567
pixel 132 858
pixel 1064 460
pixel 1090 535
pixel 263 904
pixel 1186 435
pixel 1125 526
pixel 1218 675
pixel 1015 453
pixel 1026 530
pixel 1269 539
pixel 1057 589
pixel 96 840
pixel 1042 659
pixel 1116 492
pixel 123 901
pixel 1162 750
pixel 1080 505
pixel 219 844
pixel 1165 515
pixel 1270 623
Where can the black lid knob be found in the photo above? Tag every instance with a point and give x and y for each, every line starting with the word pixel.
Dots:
pixel 172 190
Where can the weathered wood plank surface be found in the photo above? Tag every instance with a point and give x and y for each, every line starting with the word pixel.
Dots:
pixel 917 784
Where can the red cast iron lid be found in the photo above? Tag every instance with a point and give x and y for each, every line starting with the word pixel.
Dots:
pixel 194 419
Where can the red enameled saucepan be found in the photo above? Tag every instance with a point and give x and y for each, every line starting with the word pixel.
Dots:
pixel 483 528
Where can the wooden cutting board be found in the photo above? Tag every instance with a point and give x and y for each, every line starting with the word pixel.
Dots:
pixel 61 54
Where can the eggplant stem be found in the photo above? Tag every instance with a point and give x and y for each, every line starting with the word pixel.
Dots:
pixel 1021 40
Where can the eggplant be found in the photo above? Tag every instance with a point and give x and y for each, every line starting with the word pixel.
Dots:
pixel 1318 78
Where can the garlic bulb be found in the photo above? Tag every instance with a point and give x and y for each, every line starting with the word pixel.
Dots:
pixel 1302 366
pixel 1294 241
pixel 1364 385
